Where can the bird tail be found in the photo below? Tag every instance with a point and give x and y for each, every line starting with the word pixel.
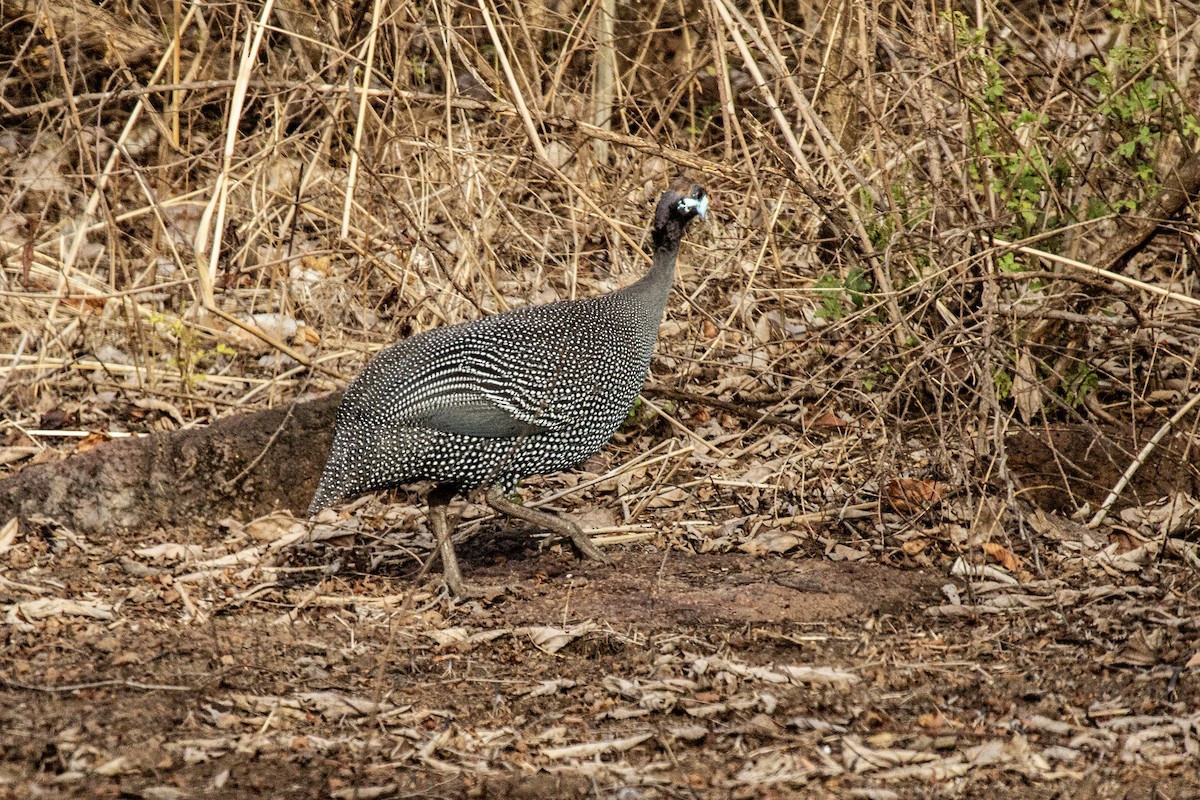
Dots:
pixel 321 500
pixel 330 489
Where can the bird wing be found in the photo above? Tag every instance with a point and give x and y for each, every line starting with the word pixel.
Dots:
pixel 416 384
pixel 479 418
pixel 500 377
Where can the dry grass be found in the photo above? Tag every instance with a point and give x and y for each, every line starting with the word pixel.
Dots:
pixel 916 208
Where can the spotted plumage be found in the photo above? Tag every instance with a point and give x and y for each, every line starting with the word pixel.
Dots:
pixel 485 403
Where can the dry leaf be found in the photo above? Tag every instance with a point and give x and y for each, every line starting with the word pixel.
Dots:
pixel 914 495
pixel 1002 556
pixel 445 636
pixel 588 749
pixel 668 498
pixel 841 552
pixel 1026 392
pixel 963 569
pixel 20 615
pixel 154 404
pixel 830 420
pixel 93 439
pixel 171 551
pixel 337 706
pixel 933 720
pixel 824 676
pixel 550 687
pixel 551 639
pixel 1125 542
pixel 858 757
pixel 770 542
pixel 761 473
pixel 688 733
pixel 11 455
pixel 113 767
pixel 278 326
pixel 271 527
pixel 366 792
pixel 989 515
pixel 8 534
pixel 1168 516
pixel 1140 651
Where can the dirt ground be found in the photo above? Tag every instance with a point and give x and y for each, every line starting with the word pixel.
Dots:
pixel 268 662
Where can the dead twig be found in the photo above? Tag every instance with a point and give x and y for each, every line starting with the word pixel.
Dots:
pixel 1140 459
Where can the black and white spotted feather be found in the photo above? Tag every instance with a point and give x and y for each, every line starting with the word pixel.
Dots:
pixel 530 391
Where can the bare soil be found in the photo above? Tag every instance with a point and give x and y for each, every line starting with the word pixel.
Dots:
pixel 258 662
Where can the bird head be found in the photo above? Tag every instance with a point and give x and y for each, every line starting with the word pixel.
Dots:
pixel 682 202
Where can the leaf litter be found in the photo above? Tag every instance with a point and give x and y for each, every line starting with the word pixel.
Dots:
pixel 850 521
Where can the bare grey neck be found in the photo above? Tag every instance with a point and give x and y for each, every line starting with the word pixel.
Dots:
pixel 652 290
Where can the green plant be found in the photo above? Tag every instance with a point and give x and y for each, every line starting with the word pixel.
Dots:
pixel 702 119
pixel 1013 147
pixel 1133 110
pixel 880 377
pixel 1080 382
pixel 190 354
pixel 1008 263
pixel 1003 383
pixel 841 296
pixel 1137 97
pixel 419 70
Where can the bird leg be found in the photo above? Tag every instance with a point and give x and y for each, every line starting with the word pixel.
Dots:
pixel 439 499
pixel 562 526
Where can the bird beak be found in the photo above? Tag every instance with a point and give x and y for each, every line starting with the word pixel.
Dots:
pixel 701 205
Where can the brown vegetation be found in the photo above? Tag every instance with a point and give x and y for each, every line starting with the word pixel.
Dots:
pixel 909 506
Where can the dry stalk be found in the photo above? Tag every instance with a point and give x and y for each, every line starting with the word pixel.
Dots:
pixel 1140 459
pixel 368 69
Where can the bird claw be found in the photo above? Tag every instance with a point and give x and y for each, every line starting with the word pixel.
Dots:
pixel 459 591
pixel 585 548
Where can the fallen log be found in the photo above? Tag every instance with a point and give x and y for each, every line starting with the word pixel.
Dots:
pixel 241 466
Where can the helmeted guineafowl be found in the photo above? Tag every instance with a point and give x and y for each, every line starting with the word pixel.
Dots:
pixel 482 404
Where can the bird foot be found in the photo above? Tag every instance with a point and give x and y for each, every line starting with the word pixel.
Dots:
pixel 582 545
pixel 462 592
pixel 585 548
pixel 459 589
